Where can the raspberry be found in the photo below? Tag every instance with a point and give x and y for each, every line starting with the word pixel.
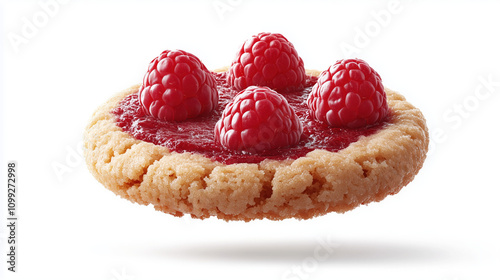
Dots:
pixel 349 94
pixel 177 86
pixel 258 119
pixel 267 59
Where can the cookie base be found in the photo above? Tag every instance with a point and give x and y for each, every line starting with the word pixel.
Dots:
pixel 319 183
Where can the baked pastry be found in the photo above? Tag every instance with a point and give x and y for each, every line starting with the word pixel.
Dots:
pixel 329 141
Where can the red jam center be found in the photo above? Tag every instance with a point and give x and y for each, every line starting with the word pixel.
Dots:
pixel 197 135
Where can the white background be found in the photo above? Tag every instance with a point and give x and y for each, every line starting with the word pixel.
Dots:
pixel 60 61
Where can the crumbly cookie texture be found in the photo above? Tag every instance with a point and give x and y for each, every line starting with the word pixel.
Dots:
pixel 320 182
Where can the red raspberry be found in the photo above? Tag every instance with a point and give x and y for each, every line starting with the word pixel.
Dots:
pixel 349 94
pixel 177 86
pixel 267 59
pixel 258 119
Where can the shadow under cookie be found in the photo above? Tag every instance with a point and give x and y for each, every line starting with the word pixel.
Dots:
pixel 343 252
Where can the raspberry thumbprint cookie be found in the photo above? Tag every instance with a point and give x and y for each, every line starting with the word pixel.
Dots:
pixel 262 139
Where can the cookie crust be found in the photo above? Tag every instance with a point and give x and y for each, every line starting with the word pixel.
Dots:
pixel 320 182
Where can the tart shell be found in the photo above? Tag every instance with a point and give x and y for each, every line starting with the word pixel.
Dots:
pixel 366 171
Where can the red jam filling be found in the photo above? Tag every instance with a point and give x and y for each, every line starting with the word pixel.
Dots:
pixel 197 135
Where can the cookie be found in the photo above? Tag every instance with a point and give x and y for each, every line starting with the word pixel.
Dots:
pixel 315 184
